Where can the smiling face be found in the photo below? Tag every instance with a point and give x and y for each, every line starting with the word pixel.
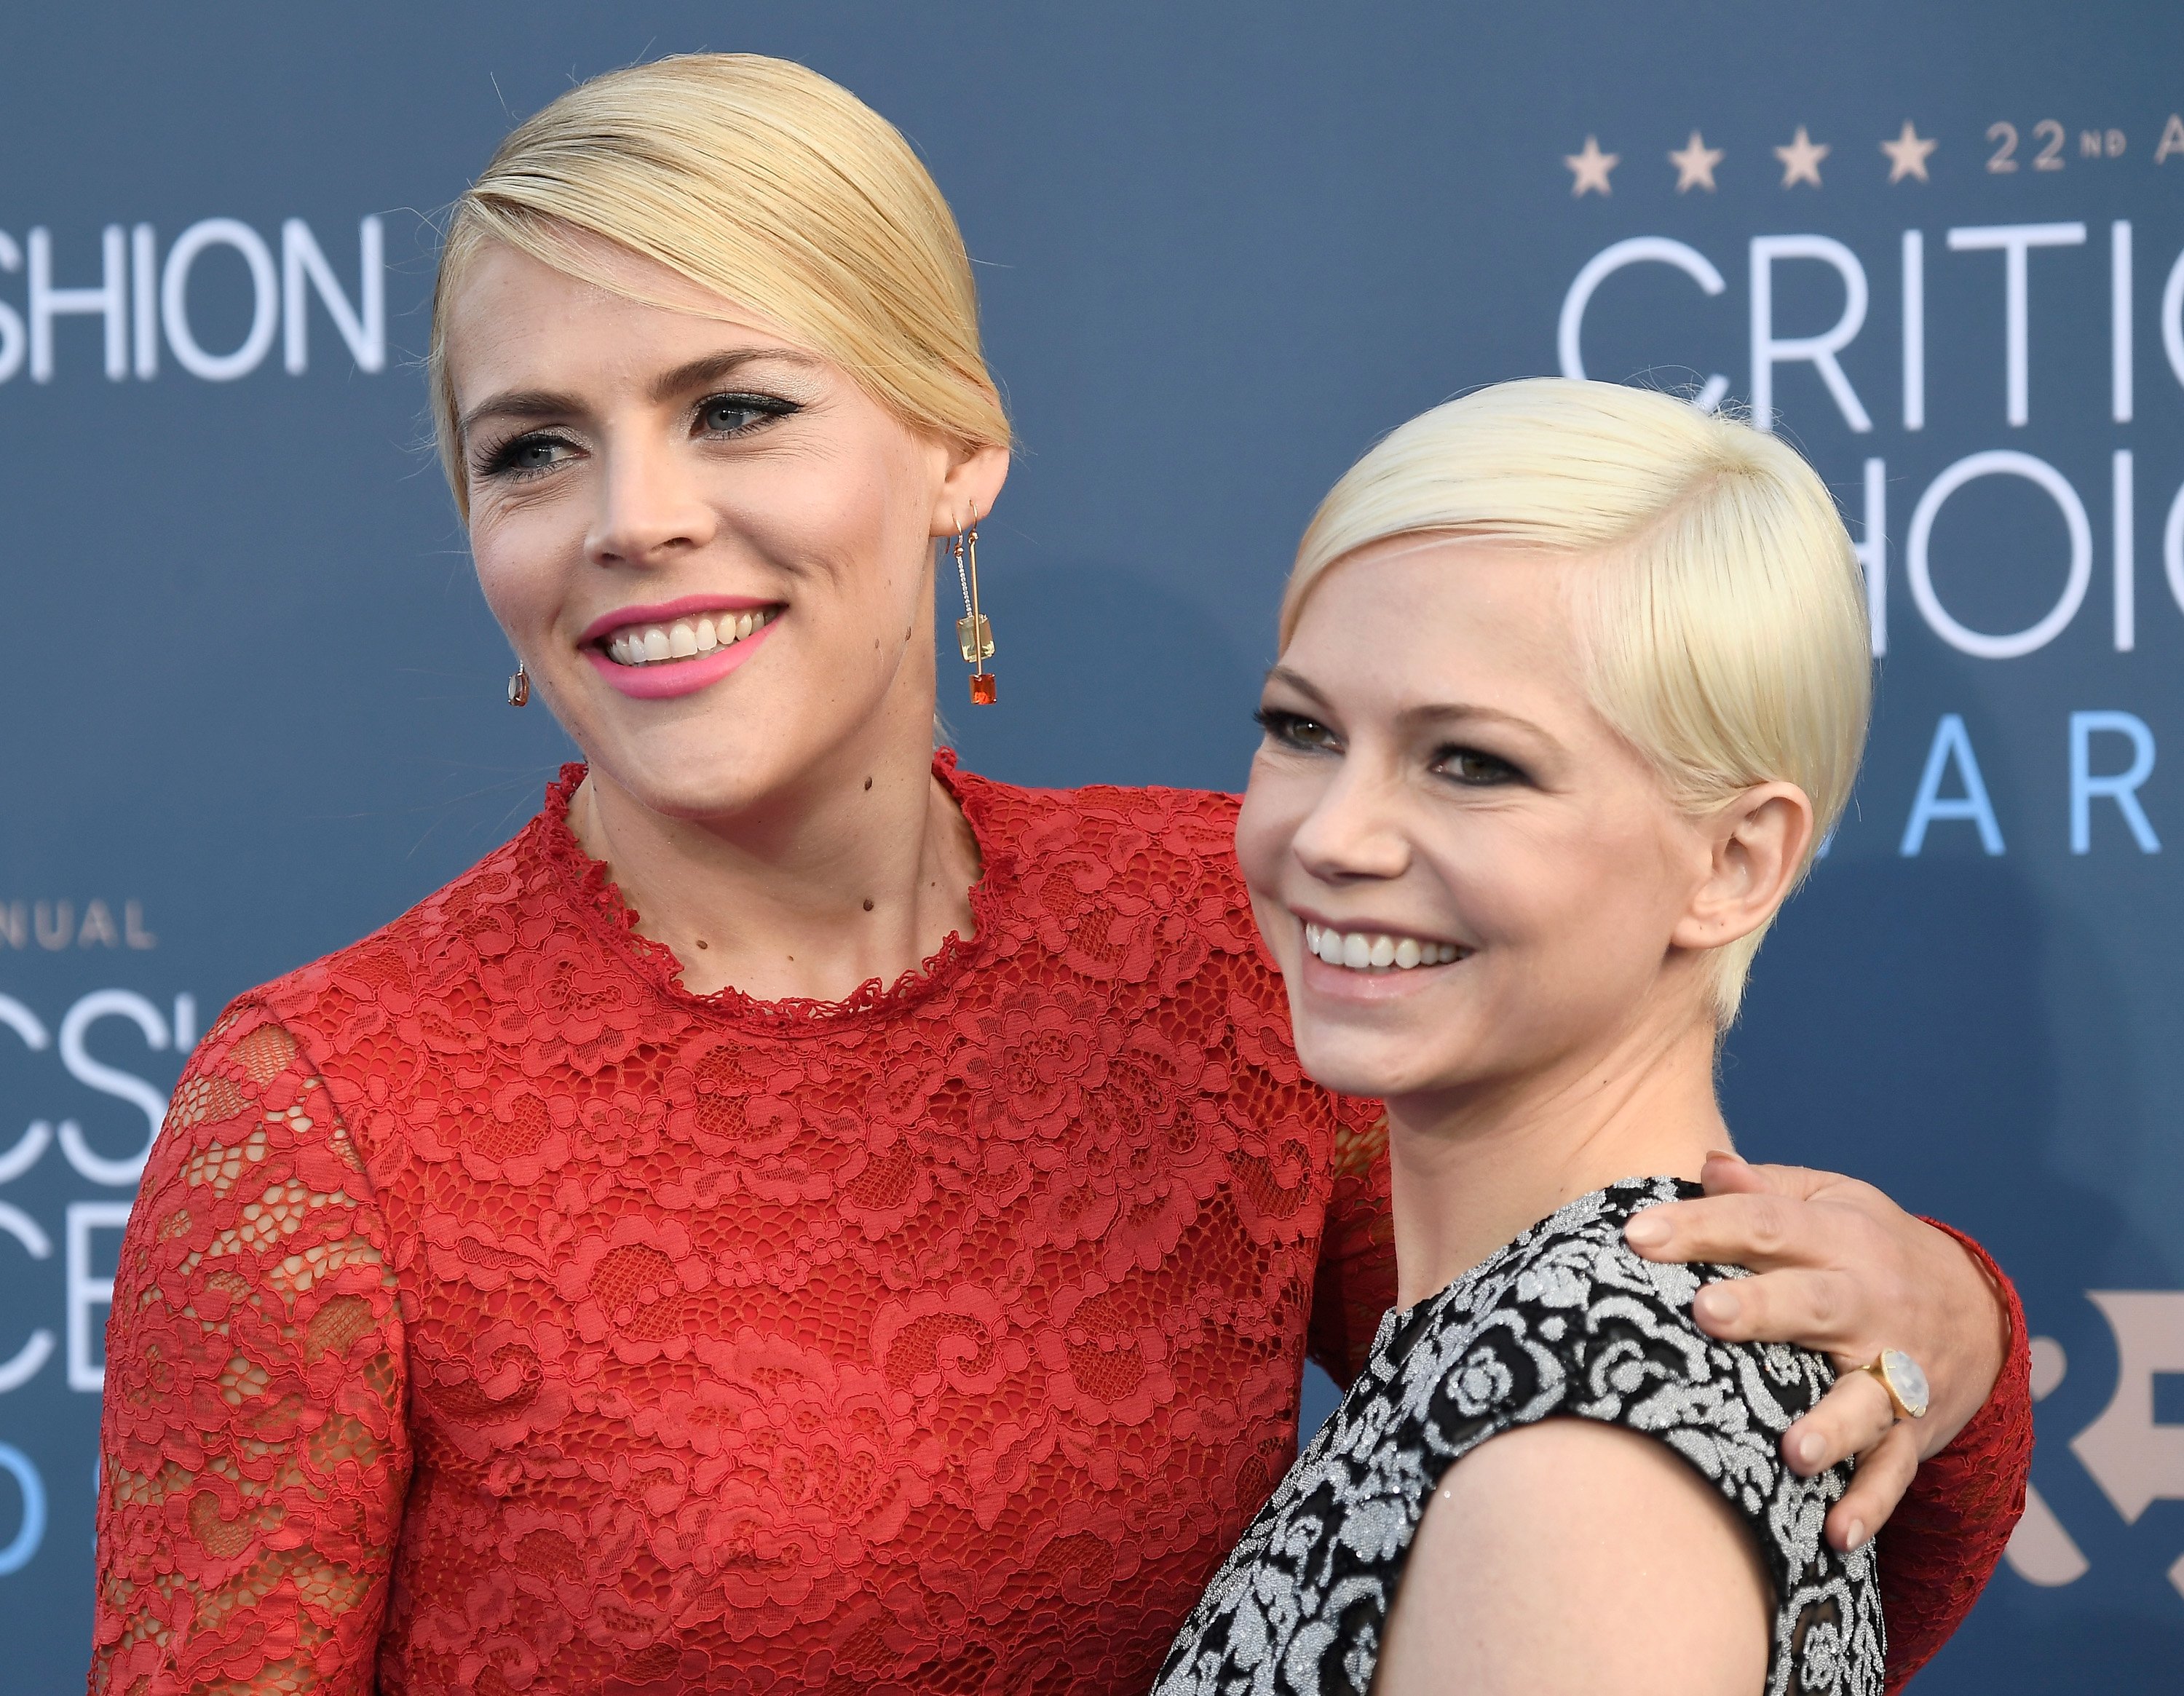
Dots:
pixel 1467 877
pixel 712 548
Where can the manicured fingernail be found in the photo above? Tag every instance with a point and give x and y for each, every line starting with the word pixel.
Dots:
pixel 1811 1447
pixel 1717 1304
pixel 1646 1231
pixel 1725 1154
pixel 1857 1535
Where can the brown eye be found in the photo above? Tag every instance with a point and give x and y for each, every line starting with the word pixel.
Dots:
pixel 1294 730
pixel 1475 769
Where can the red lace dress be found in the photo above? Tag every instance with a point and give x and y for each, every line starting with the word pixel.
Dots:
pixel 497 1316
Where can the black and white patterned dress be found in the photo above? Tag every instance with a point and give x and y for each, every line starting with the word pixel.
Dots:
pixel 1565 1320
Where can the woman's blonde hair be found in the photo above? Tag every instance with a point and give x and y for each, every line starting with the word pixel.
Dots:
pixel 1725 625
pixel 764 183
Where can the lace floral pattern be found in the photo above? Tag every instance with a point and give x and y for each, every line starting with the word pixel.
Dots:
pixel 1564 1321
pixel 497 1316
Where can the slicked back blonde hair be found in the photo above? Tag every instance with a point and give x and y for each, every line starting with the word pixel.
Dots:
pixel 1723 619
pixel 764 183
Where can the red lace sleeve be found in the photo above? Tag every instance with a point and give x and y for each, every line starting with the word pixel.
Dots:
pixel 254 1452
pixel 1355 1281
pixel 1941 1545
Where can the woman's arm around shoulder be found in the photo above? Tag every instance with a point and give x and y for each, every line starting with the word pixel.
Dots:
pixel 1570 1557
pixel 1844 1269
pixel 253 1454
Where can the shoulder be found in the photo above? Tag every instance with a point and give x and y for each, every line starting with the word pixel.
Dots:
pixel 1124 884
pixel 507 900
pixel 1569 1320
pixel 1538 1564
pixel 249 1111
pixel 1569 1386
pixel 1171 828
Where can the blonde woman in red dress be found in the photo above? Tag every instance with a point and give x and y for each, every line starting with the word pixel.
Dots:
pixel 799 1215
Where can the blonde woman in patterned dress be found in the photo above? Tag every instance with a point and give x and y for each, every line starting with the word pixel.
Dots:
pixel 1573 682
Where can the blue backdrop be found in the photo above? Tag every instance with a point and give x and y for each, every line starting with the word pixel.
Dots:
pixel 252 698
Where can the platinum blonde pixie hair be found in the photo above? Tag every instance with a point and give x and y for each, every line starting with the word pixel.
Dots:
pixel 1723 618
pixel 765 184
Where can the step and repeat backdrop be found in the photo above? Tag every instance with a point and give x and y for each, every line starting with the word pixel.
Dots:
pixel 252 705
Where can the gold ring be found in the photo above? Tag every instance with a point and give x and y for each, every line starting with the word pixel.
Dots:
pixel 1901 1377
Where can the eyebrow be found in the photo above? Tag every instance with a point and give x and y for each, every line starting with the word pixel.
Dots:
pixel 1450 712
pixel 532 404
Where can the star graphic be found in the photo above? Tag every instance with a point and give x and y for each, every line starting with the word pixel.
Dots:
pixel 1695 165
pixel 1591 168
pixel 1801 159
pixel 1907 155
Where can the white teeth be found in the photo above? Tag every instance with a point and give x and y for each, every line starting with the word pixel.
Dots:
pixel 648 644
pixel 1364 951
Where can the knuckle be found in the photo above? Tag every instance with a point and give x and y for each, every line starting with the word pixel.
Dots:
pixel 1768 1224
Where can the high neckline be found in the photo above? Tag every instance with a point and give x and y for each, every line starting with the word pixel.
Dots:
pixel 599 900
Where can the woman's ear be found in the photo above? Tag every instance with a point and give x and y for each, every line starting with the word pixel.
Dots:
pixel 972 483
pixel 1758 844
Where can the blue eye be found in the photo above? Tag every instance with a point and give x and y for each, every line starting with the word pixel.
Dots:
pixel 526 456
pixel 736 414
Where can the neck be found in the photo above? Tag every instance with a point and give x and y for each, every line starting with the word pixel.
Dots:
pixel 1472 1168
pixel 859 873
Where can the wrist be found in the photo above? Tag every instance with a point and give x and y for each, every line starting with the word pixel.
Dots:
pixel 1980 1348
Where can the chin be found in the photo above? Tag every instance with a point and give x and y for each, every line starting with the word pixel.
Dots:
pixel 1374 1063
pixel 697 767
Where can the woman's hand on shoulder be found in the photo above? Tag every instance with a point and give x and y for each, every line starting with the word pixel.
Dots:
pixel 1844 1271
pixel 1574 1557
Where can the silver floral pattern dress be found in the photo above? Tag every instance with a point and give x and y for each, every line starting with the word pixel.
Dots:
pixel 1563 1321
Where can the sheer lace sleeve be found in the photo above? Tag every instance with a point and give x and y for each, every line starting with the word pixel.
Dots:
pixel 1355 1281
pixel 254 1451
pixel 1940 1546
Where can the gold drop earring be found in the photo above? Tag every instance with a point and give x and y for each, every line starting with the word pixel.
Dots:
pixel 518 687
pixel 973 635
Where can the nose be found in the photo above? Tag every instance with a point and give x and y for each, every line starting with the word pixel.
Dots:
pixel 651 509
pixel 1354 832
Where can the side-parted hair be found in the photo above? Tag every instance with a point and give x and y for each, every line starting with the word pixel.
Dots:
pixel 1724 617
pixel 767 185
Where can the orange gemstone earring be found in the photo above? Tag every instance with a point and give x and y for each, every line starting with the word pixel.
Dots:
pixel 518 687
pixel 973 635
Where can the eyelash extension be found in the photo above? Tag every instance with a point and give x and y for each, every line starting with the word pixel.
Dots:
pixel 771 409
pixel 500 462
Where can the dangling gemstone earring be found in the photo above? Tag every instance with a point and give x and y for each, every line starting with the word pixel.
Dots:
pixel 973 635
pixel 518 687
